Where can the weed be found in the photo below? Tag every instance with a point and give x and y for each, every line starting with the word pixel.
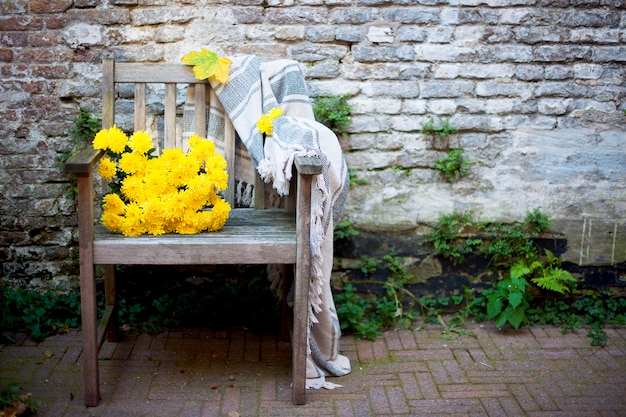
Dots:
pixel 447 236
pixel 13 402
pixel 353 178
pixel 334 112
pixel 454 165
pixel 40 313
pixel 344 230
pixel 85 128
pixel 441 128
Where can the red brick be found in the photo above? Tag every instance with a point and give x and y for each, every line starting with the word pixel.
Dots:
pixel 6 55
pixel 49 71
pixel 14 70
pixel 14 39
pixel 13 6
pixel 49 6
pixel 44 55
pixel 21 23
pixel 55 22
pixel 43 39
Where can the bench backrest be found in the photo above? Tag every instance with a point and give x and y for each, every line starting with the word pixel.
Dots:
pixel 170 75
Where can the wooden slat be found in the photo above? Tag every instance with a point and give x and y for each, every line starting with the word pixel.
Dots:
pixel 249 236
pixel 200 110
pixel 108 93
pixel 170 116
pixel 229 154
pixel 155 73
pixel 140 107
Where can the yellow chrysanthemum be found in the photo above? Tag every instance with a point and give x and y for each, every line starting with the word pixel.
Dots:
pixel 132 188
pixel 265 125
pixel 166 194
pixel 112 139
pixel 112 221
pixel 219 215
pixel 107 169
pixel 140 142
pixel 132 227
pixel 133 163
pixel 113 204
pixel 275 113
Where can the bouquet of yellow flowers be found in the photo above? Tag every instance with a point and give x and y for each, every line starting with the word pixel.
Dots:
pixel 169 193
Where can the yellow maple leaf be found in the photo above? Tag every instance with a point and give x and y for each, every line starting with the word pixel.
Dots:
pixel 207 64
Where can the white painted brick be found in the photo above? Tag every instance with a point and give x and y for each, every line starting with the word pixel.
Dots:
pixel 447 71
pixel 441 106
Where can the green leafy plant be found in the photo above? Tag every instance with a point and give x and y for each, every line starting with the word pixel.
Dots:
pixel 448 239
pixel 13 402
pixel 85 127
pixel 354 179
pixel 440 128
pixel 82 133
pixel 506 242
pixel 334 112
pixel 344 229
pixel 367 316
pixel 511 297
pixel 40 313
pixel 357 313
pixel 508 302
pixel 454 165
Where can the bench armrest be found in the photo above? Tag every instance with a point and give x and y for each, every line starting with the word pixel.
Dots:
pixel 83 161
pixel 309 165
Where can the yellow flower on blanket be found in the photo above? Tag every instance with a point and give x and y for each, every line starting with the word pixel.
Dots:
pixel 265 123
pixel 175 192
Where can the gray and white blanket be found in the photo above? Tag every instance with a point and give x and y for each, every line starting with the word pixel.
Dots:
pixel 253 89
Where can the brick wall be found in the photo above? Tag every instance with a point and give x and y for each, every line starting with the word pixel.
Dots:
pixel 535 87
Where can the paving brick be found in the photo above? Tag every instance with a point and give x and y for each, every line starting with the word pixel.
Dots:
pixel 171 374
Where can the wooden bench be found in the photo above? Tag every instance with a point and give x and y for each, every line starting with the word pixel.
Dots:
pixel 250 236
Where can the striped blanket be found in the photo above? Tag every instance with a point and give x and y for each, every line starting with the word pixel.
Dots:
pixel 253 89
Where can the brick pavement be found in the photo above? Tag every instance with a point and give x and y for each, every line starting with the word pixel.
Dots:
pixel 534 372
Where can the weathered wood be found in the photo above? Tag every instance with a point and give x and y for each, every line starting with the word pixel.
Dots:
pixel 155 73
pixel 140 107
pixel 108 93
pixel 229 154
pixel 249 236
pixel 110 301
pixel 200 110
pixel 300 343
pixel 83 161
pixel 170 116
pixel 88 303
pixel 309 165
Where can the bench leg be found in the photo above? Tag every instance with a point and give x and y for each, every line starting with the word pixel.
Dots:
pixel 300 343
pixel 110 297
pixel 90 336
pixel 88 309
pixel 286 319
